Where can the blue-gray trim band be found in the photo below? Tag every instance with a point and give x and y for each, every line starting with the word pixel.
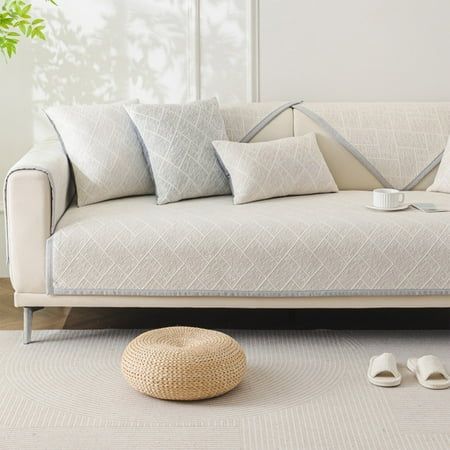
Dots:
pixel 271 116
pixel 342 141
pixel 49 266
pixel 281 294
pixel 424 172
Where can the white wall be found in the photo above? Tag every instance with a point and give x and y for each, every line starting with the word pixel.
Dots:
pixel 355 50
pixel 107 50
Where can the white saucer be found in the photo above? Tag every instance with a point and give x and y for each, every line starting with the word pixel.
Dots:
pixel 397 208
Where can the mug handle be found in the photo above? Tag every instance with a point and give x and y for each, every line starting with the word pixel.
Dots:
pixel 401 197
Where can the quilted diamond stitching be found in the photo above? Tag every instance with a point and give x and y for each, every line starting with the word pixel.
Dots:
pixel 398 139
pixel 240 119
pixel 104 150
pixel 289 166
pixel 178 141
pixel 285 247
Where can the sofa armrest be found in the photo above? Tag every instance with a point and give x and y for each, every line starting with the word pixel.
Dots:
pixel 37 191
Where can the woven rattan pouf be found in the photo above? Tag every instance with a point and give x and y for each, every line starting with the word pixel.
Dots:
pixel 183 363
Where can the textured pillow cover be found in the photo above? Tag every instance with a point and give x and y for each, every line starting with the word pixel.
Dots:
pixel 105 152
pixel 442 181
pixel 288 166
pixel 178 140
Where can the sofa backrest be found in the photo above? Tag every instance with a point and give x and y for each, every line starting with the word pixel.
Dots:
pixel 366 145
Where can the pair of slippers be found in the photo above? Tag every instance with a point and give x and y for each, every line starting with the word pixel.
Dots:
pixel 429 371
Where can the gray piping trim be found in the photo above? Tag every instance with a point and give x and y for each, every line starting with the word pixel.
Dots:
pixel 53 222
pixel 49 266
pixel 342 141
pixel 281 294
pixel 224 170
pixel 58 134
pixel 424 172
pixel 271 116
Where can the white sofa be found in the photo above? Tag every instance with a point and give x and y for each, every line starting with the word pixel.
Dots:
pixel 319 251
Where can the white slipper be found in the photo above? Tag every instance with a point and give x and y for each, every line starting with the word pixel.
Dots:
pixel 383 371
pixel 430 372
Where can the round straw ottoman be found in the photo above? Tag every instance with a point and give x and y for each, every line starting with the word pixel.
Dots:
pixel 183 363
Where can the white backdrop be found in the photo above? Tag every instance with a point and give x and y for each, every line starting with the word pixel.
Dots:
pixel 178 50
pixel 376 50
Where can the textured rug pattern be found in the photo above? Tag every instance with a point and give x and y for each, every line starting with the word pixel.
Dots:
pixel 303 390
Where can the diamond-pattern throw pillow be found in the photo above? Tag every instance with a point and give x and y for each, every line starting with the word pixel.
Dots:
pixel 289 166
pixel 442 181
pixel 178 140
pixel 104 149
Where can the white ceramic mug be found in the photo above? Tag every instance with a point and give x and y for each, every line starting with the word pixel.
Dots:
pixel 387 198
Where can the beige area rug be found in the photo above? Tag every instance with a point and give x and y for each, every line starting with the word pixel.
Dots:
pixel 303 390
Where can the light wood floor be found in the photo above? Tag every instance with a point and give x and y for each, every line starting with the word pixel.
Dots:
pixel 11 317
pixel 96 318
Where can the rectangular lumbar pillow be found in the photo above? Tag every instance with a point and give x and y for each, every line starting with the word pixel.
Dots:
pixel 442 181
pixel 289 166
pixel 178 141
pixel 104 150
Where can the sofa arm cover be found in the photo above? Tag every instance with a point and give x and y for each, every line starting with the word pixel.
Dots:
pixel 37 192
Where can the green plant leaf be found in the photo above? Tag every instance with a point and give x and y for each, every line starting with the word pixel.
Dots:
pixel 16 21
pixel 26 10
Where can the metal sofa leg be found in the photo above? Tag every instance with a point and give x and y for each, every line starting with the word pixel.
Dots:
pixel 28 322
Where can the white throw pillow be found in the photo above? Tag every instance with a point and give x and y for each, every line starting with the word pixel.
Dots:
pixel 178 140
pixel 289 166
pixel 105 152
pixel 442 181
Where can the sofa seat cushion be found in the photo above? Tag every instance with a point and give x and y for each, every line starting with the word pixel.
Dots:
pixel 318 245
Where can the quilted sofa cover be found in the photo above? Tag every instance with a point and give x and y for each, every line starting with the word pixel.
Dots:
pixel 318 245
pixel 399 143
pixel 323 245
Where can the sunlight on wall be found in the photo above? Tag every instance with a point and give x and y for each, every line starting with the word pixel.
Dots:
pixel 111 50
pixel 124 49
pixel 223 55
pixel 106 51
